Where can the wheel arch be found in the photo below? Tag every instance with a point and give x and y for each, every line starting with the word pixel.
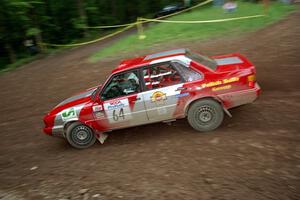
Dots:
pixel 214 98
pixel 88 140
pixel 68 123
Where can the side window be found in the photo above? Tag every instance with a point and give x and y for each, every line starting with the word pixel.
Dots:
pixel 161 75
pixel 121 85
pixel 187 73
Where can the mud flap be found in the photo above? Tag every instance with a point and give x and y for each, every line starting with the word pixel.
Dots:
pixel 101 137
pixel 227 112
pixel 225 109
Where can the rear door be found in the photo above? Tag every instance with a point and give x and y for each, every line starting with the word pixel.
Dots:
pixel 122 103
pixel 162 85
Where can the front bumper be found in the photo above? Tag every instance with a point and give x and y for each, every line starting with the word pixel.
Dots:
pixel 48 130
pixel 57 131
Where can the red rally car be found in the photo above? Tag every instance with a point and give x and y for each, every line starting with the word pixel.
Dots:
pixel 160 87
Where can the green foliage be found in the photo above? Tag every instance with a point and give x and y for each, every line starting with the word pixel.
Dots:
pixel 33 31
pixel 62 22
pixel 19 62
pixel 79 23
pixel 163 33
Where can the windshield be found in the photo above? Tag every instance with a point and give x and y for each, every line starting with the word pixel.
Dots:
pixel 121 84
pixel 203 60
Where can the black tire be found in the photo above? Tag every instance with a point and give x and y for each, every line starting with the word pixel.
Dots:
pixel 205 115
pixel 80 136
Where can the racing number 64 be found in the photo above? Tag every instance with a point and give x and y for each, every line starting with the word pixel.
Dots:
pixel 117 116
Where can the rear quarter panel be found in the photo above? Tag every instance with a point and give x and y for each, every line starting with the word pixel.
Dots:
pixel 219 86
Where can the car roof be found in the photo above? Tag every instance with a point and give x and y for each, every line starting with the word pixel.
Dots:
pixel 148 59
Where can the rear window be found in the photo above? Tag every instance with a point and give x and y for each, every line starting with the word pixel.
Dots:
pixel 187 73
pixel 203 60
pixel 161 75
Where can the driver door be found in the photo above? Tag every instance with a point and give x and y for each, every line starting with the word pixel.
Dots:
pixel 122 105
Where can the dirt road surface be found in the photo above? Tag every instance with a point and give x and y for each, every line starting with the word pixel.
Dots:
pixel 254 155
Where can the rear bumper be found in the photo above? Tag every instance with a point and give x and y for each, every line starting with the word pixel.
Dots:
pixel 238 98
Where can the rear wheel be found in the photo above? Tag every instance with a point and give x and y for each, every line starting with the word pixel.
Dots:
pixel 80 136
pixel 205 115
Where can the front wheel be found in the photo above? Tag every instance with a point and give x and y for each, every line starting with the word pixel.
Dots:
pixel 205 115
pixel 80 136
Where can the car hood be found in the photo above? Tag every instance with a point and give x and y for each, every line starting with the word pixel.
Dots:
pixel 82 95
pixel 78 99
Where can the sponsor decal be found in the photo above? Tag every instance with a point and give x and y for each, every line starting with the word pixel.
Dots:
pixel 117 110
pixel 211 84
pixel 225 87
pixel 182 95
pixel 112 105
pixel 97 108
pixel 68 114
pixel 100 115
pixel 220 82
pixel 158 96
pixel 230 80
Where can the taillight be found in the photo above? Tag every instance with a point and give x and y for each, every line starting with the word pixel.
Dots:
pixel 251 80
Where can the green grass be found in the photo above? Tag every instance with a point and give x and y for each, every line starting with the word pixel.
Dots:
pixel 158 34
pixel 25 59
pixel 18 63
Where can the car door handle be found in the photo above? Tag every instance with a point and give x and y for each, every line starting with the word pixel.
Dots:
pixel 181 89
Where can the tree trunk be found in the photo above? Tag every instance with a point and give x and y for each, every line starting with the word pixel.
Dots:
pixel 39 41
pixel 82 15
pixel 114 8
pixel 11 53
pixel 187 3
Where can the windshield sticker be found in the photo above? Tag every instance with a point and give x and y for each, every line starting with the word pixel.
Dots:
pixel 68 114
pixel 158 96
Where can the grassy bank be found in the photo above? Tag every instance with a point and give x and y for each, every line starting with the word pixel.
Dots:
pixel 160 33
pixel 26 58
